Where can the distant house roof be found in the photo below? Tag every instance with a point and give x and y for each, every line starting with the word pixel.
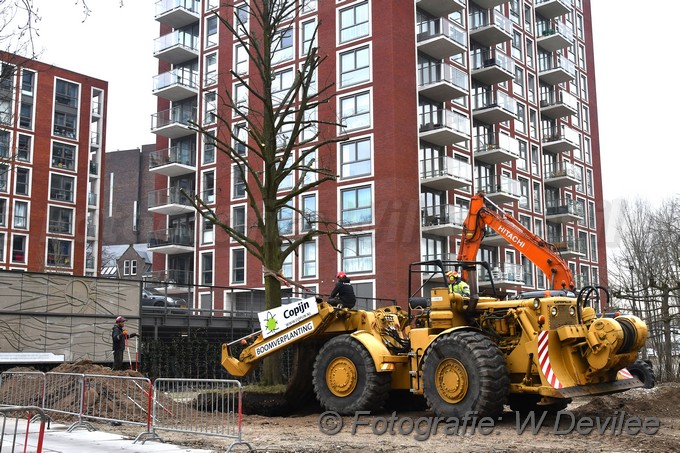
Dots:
pixel 111 253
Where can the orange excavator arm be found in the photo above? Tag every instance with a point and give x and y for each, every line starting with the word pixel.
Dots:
pixel 543 254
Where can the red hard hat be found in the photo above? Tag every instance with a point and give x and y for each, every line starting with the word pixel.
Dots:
pixel 341 274
pixel 120 319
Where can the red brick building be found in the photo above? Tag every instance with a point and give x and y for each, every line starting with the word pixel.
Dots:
pixel 52 139
pixel 440 98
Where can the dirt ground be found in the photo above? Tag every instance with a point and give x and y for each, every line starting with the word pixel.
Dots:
pixel 301 432
pixel 638 420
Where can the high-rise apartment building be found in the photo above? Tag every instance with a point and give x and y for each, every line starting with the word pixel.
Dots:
pixel 440 99
pixel 52 140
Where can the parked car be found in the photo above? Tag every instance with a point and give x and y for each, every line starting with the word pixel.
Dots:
pixel 155 302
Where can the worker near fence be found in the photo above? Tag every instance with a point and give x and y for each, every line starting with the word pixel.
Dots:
pixel 119 335
pixel 343 292
pixel 457 284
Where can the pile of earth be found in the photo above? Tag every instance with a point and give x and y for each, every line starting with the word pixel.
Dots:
pixel 660 401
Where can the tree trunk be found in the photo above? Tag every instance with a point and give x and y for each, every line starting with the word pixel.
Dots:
pixel 667 336
pixel 271 366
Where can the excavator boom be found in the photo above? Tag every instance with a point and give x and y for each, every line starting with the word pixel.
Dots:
pixel 485 213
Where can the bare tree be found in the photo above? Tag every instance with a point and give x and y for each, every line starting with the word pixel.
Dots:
pixel 285 135
pixel 646 274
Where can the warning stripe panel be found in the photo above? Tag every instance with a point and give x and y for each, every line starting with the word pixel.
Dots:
pixel 544 360
pixel 624 374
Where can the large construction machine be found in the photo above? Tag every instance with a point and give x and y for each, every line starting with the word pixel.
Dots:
pixel 462 354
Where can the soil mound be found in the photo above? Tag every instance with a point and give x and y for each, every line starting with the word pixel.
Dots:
pixel 660 401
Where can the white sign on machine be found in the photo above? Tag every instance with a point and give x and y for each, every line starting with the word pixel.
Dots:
pixel 280 318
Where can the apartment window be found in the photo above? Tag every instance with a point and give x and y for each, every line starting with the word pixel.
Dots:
pixel 281 83
pixel 5 144
pixel 354 22
pixel 284 219
pixel 21 214
pixel 238 266
pixel 287 182
pixel 126 267
pixel 589 182
pixel 208 149
pixel 26 115
pixel 578 171
pixel 240 98
pixel 2 247
pixel 4 171
pixel 208 195
pixel 308 38
pixel 283 46
pixel 584 88
pixel 240 60
pixel 530 53
pixel 66 93
pixel 19 249
pixel 211 31
pixel 63 156
pixel 284 135
pixel 61 187
pixel 58 252
pixel 238 219
pixel 355 111
pixel 3 212
pixel 287 265
pixel 210 108
pixel 133 267
pixel 355 66
pixel 524 193
pixel 238 184
pixel 206 268
pixel 27 81
pixel 309 259
pixel 586 118
pixel 593 247
pixel 527 18
pixel 241 17
pixel 65 124
pixel 520 121
pixel 240 138
pixel 533 124
pixel 518 83
pixel 309 211
pixel 309 167
pixel 308 6
pixel 527 269
pixel 531 88
pixel 516 50
pixel 357 253
pixel 538 204
pixel 23 181
pixel 587 153
pixel 581 211
pixel 211 69
pixel 60 220
pixel 24 146
pixel 356 206
pixel 207 231
pixel 310 126
pixel 522 162
pixel 583 243
pixel 591 215
pixel 581 57
pixel 535 161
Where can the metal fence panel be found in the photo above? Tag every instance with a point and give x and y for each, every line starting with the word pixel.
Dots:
pixel 25 388
pixel 13 435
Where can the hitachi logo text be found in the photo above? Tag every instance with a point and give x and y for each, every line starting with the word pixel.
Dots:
pixel 511 236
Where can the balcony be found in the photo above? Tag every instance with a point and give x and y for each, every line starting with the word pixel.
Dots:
pixel 488 4
pixel 173 161
pixel 439 8
pixel 174 122
pixel 172 276
pixel 444 127
pixel 493 107
pixel 176 84
pixel 495 148
pixel 89 263
pixel 91 231
pixel 443 220
pixel 557 103
pixel 555 69
pixel 94 170
pixel 561 174
pixel 505 276
pixel 569 247
pixel 552 8
pixel 441 38
pixel 170 201
pixel 442 82
pixel 562 211
pixel 95 140
pixel 92 200
pixel 445 173
pixel 500 189
pixel 491 67
pixel 553 35
pixel 176 47
pixel 177 13
pixel 492 30
pixel 171 241
pixel 560 139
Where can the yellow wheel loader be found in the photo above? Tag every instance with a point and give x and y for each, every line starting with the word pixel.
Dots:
pixel 461 353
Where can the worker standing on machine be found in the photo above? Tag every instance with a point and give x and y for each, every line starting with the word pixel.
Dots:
pixel 343 293
pixel 457 284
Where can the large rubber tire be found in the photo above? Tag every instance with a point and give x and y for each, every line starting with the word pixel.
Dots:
pixel 465 372
pixel 644 372
pixel 345 378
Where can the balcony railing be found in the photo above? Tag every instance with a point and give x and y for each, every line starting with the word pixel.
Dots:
pixel 494 57
pixel 434 74
pixel 94 168
pixel 172 155
pixel 176 38
pixel 562 169
pixel 163 6
pixel 504 272
pixel 171 195
pixel 549 28
pixel 443 214
pixel 92 199
pixel 445 166
pixel 441 38
pixel 501 184
pixel 173 276
pixel 444 119
pixel 563 207
pixel 172 236
pixel 184 77
pixel 496 141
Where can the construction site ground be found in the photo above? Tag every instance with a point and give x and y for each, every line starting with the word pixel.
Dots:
pixel 269 425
